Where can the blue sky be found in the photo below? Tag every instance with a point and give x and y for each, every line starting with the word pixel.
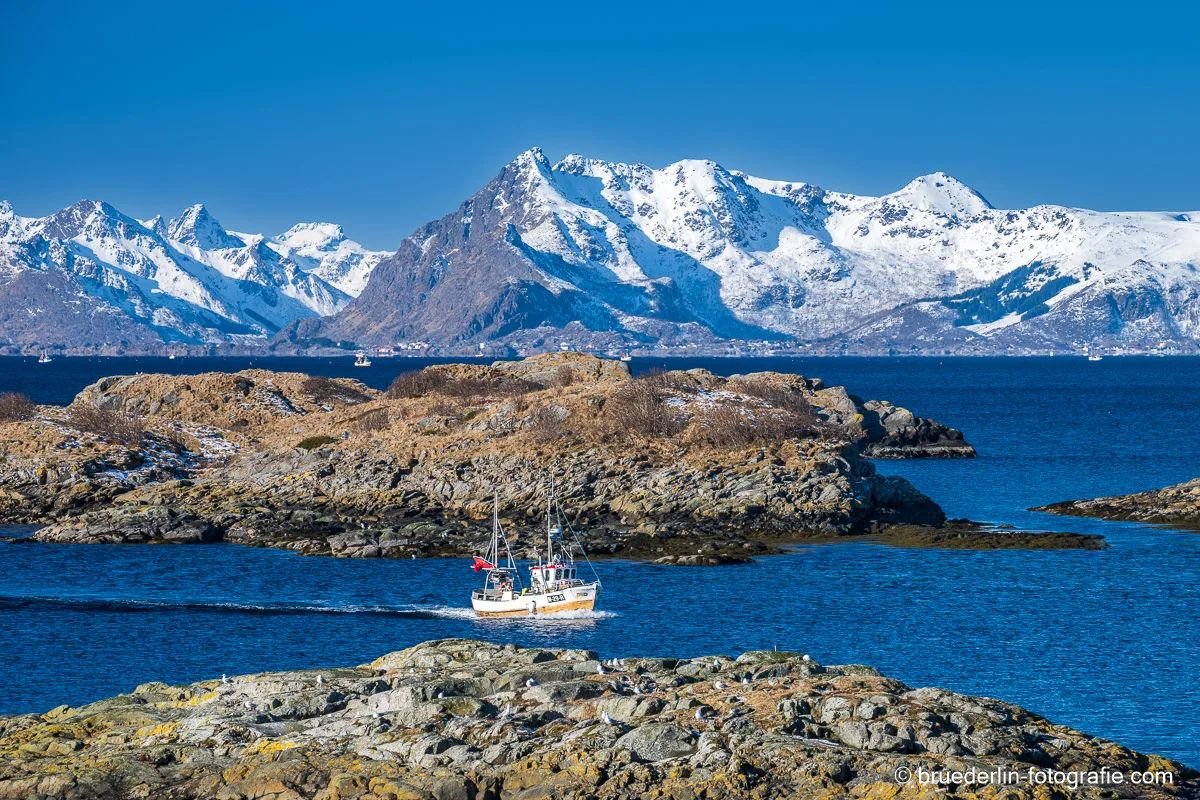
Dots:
pixel 383 117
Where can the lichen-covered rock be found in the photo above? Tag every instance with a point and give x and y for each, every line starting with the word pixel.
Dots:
pixel 455 719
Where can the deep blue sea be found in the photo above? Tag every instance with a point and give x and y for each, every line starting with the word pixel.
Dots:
pixel 1103 641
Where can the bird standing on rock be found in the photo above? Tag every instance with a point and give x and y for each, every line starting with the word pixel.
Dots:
pixel 531 682
pixel 607 719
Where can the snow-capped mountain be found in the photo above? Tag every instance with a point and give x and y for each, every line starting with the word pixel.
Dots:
pixel 322 249
pixel 89 277
pixel 605 253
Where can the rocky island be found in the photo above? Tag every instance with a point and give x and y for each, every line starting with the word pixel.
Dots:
pixel 1176 506
pixel 683 467
pixel 468 720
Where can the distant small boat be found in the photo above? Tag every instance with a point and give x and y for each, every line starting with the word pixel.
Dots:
pixel 564 347
pixel 44 358
pixel 361 360
pixel 1094 357
pixel 626 357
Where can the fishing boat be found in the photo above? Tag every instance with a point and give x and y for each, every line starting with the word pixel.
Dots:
pixel 44 358
pixel 554 583
pixel 361 360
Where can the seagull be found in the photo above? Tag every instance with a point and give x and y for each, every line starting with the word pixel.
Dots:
pixel 700 714
pixel 600 670
pixel 805 657
pixel 607 719
pixel 746 681
pixel 720 685
pixel 223 678
pixel 320 680
pixel 441 695
pixel 531 682
pixel 247 705
pixel 507 713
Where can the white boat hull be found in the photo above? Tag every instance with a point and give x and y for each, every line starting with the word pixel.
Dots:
pixel 572 598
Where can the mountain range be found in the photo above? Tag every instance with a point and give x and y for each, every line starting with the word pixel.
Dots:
pixel 92 278
pixel 608 255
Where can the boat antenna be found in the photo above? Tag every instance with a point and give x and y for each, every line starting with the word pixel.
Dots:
pixel 566 524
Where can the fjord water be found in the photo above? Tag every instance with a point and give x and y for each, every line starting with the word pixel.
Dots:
pixel 1102 641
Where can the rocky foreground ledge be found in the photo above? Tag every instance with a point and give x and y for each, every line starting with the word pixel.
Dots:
pixel 683 467
pixel 1177 506
pixel 468 720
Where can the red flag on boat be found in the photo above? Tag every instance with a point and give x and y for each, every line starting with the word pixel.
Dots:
pixel 482 563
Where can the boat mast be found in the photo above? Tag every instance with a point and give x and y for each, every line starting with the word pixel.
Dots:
pixel 550 524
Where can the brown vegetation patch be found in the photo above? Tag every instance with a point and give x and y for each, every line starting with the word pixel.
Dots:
pixel 16 407
pixel 328 391
pixel 115 426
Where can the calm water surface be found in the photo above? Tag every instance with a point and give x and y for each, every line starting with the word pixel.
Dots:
pixel 1106 642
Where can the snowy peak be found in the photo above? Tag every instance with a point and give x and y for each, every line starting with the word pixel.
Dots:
pixel 312 237
pixel 197 227
pixel 322 249
pixel 156 224
pixel 942 194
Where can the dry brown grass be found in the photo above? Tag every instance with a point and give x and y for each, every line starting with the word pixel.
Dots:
pixel 16 407
pixel 377 419
pixel 474 389
pixel 548 424
pixel 728 426
pixel 640 408
pixel 115 426
pixel 328 391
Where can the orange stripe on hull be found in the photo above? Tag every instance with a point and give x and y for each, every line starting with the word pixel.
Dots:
pixel 557 608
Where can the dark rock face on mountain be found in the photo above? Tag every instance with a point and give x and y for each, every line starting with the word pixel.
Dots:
pixel 470 276
pixel 660 467
pixel 1177 506
pixel 469 719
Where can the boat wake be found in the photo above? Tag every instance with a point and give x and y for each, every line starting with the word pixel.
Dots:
pixel 134 606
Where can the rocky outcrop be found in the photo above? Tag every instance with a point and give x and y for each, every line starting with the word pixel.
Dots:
pixel 965 535
pixel 686 467
pixel 466 719
pixel 1177 506
pixel 894 432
